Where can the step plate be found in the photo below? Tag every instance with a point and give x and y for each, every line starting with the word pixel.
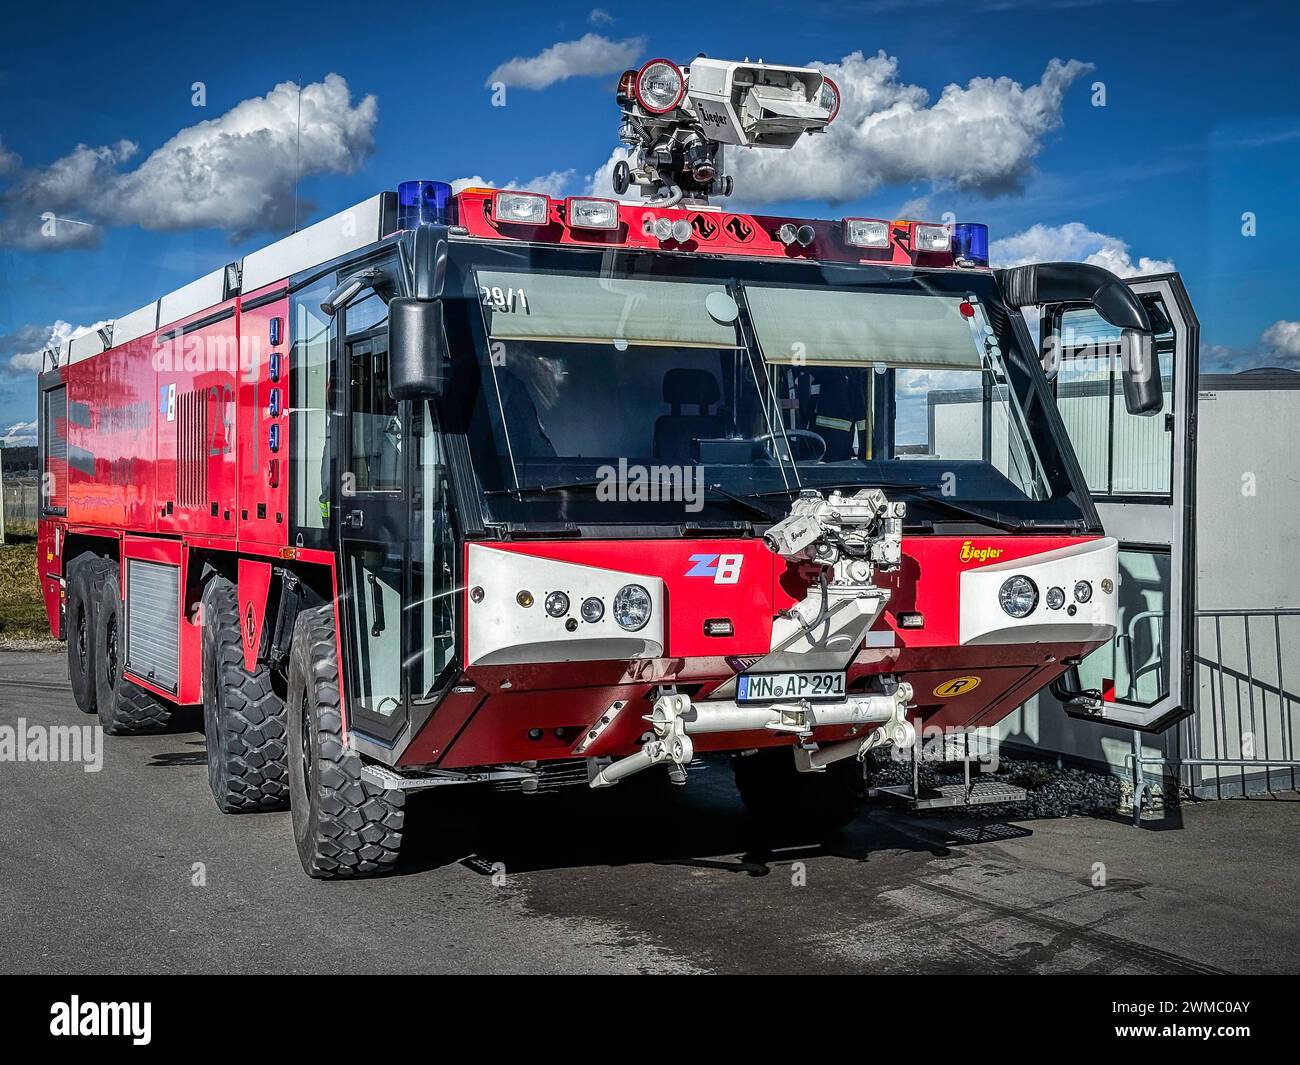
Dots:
pixel 982 793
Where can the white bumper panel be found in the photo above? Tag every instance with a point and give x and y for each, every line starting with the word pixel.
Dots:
pixel 501 632
pixel 983 621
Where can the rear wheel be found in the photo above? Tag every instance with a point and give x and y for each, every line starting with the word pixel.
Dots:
pixel 123 707
pixel 79 622
pixel 243 715
pixel 777 794
pixel 344 826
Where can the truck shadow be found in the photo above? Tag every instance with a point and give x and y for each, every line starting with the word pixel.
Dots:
pixel 702 826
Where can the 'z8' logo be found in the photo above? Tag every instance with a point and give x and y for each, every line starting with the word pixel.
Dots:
pixel 724 569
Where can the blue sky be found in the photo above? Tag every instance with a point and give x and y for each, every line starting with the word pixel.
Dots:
pixel 1200 125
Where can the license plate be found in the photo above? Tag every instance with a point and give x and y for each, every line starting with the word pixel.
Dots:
pixel 766 687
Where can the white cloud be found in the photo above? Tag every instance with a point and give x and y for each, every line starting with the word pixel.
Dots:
pixel 1278 347
pixel 981 138
pixel 234 172
pixel 1073 242
pixel 1283 339
pixel 590 56
pixel 25 360
pixel 9 161
pixel 600 17
pixel 20 434
pixel 553 184
pixel 601 182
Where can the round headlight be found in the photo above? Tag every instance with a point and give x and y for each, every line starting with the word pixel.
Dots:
pixel 592 610
pixel 659 86
pixel 829 98
pixel 1018 596
pixel 557 604
pixel 1055 598
pixel 1082 592
pixel 632 607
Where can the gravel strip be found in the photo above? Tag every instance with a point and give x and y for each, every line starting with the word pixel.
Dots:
pixel 1053 791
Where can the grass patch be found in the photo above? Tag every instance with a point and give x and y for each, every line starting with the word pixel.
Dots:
pixel 22 610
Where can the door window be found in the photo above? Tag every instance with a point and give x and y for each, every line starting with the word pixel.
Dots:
pixel 309 361
pixel 1121 455
pixel 374 607
pixel 434 563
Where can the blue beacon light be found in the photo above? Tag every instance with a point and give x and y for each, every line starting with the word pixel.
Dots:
pixel 970 244
pixel 424 201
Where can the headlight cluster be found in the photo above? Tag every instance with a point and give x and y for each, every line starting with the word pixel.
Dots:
pixel 1019 595
pixel 632 607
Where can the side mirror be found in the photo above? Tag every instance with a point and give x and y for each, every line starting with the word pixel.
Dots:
pixel 418 359
pixel 1085 284
pixel 417 349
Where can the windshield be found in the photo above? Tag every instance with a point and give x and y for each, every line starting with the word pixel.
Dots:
pixel 708 394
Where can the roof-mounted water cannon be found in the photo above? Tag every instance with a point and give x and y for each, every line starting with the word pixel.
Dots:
pixel 677 119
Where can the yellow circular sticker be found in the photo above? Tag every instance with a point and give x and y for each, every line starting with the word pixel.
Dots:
pixel 957 686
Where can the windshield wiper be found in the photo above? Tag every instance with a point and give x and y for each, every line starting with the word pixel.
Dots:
pixel 541 489
pixel 550 489
pixel 795 490
pixel 965 510
pixel 748 504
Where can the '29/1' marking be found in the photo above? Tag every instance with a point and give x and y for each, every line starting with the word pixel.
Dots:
pixel 724 569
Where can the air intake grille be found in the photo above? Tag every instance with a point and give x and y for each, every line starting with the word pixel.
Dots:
pixel 192 449
pixel 153 622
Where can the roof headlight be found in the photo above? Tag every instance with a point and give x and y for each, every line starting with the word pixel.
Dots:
pixel 931 238
pixel 866 232
pixel 585 213
pixel 521 208
pixel 659 86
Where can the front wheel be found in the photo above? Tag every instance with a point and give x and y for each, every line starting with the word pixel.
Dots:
pixel 777 794
pixel 344 826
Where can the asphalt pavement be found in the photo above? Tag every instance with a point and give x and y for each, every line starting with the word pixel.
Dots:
pixel 131 868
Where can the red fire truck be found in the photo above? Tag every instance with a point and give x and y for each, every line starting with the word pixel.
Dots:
pixel 495 487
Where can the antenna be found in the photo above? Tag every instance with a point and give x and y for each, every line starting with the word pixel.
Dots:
pixel 297 158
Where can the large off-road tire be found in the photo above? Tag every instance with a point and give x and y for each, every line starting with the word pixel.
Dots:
pixel 243 715
pixel 778 795
pixel 123 707
pixel 344 826
pixel 79 628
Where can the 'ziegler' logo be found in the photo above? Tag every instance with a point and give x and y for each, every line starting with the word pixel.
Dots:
pixel 711 118
pixel 979 554
pixel 724 569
